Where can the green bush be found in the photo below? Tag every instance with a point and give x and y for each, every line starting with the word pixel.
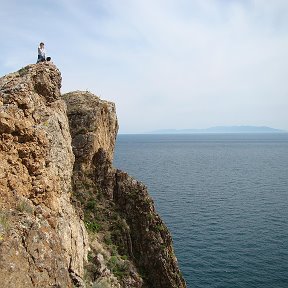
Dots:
pixel 91 205
pixel 23 206
pixel 117 266
pixel 160 227
pixel 107 239
pixel 124 257
pixel 102 284
pixel 92 226
pixel 4 224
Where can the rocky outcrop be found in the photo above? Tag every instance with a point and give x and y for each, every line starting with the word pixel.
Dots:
pixel 150 239
pixel 68 218
pixel 43 241
pixel 135 227
pixel 94 127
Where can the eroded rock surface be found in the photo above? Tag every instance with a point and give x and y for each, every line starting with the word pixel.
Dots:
pixel 68 218
pixel 131 221
pixel 43 241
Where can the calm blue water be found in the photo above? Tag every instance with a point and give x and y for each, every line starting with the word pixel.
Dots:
pixel 224 199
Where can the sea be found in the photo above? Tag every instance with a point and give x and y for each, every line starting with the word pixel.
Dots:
pixel 224 198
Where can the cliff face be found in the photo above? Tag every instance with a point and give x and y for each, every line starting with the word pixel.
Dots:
pixel 67 217
pixel 43 241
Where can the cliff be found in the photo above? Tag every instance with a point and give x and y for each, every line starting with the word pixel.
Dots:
pixel 68 218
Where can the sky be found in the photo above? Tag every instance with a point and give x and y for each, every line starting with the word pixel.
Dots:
pixel 167 64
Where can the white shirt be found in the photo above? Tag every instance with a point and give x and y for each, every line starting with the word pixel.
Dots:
pixel 41 51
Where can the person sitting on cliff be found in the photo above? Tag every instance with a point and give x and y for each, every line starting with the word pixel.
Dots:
pixel 42 54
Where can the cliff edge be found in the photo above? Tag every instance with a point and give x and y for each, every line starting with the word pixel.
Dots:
pixel 68 218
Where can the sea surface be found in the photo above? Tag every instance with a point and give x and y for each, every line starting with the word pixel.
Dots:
pixel 224 198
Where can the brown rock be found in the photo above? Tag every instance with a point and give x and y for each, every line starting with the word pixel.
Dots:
pixel 43 241
pixel 138 231
pixel 38 249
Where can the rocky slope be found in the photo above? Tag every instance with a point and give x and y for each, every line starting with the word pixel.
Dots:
pixel 68 218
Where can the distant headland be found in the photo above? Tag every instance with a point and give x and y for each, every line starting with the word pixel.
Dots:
pixel 221 129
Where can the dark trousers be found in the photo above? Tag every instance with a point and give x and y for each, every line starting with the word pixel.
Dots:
pixel 40 58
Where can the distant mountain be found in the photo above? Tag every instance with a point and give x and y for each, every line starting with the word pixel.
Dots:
pixel 221 129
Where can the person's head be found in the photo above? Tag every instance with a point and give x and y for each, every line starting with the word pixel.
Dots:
pixel 41 44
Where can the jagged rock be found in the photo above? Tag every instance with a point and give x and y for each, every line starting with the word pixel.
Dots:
pixel 151 240
pixel 48 187
pixel 94 126
pixel 138 231
pixel 44 242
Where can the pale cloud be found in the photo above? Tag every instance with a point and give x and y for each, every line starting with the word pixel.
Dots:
pixel 166 63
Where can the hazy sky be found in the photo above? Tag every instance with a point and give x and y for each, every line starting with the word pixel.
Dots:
pixel 165 63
